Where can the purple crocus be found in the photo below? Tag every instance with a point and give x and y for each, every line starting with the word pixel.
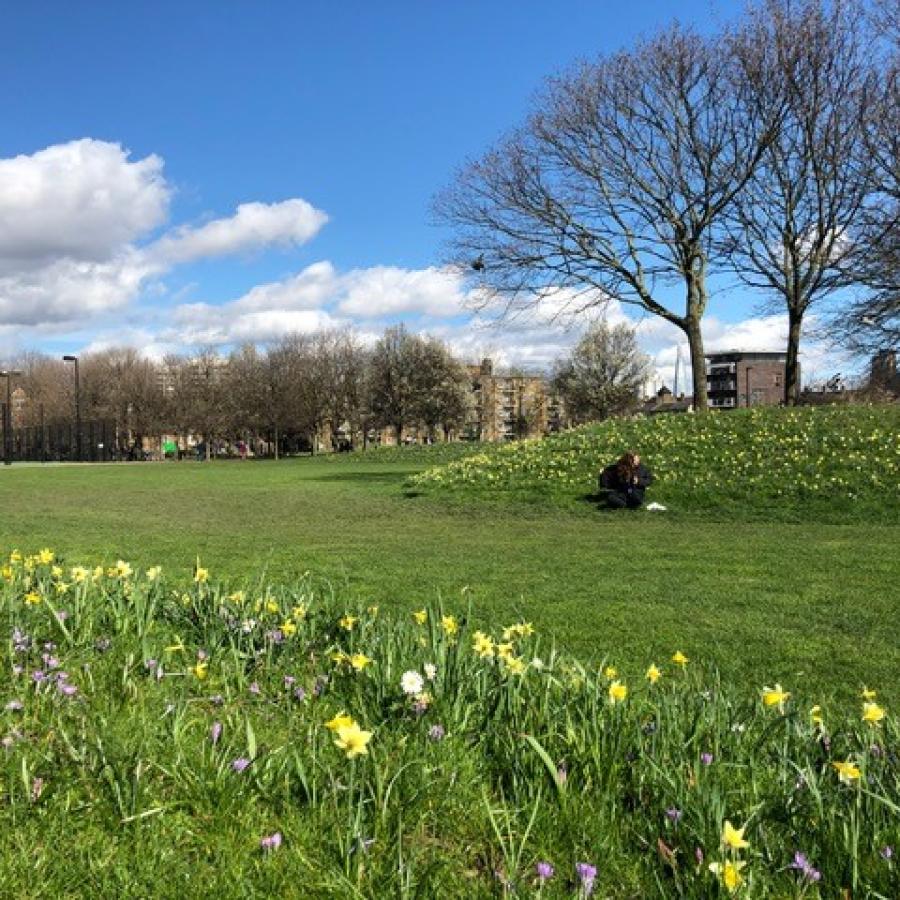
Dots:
pixel 436 732
pixel 37 676
pixel 586 875
pixel 215 732
pixel 270 842
pixel 802 864
pixel 887 852
pixel 544 871
pixel 240 764
pixel 150 664
pixel 706 759
pixel 673 814
pixel 299 694
pixel 289 680
pixel 66 689
pixel 254 688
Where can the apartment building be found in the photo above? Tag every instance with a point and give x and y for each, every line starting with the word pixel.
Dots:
pixel 737 378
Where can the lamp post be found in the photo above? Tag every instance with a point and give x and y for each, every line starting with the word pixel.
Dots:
pixel 7 424
pixel 74 359
pixel 747 383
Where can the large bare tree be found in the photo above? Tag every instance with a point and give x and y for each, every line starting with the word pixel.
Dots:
pixel 790 228
pixel 614 187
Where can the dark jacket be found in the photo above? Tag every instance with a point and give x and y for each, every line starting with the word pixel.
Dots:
pixel 609 479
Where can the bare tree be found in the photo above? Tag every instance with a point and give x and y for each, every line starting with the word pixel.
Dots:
pixel 614 187
pixel 790 227
pixel 441 386
pixel 871 320
pixel 604 375
pixel 393 369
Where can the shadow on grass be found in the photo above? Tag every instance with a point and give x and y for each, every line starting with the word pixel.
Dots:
pixel 397 476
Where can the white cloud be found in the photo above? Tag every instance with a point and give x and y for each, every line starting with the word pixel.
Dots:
pixel 254 225
pixel 72 219
pixel 389 291
pixel 83 200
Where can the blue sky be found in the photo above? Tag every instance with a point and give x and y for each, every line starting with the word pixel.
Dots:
pixel 188 110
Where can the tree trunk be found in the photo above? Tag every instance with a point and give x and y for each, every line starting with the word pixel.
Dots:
pixel 276 443
pixel 792 364
pixel 698 364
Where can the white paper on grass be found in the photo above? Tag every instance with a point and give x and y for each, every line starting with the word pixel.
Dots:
pixel 656 507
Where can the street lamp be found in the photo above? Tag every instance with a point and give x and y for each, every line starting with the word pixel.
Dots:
pixel 74 359
pixel 7 424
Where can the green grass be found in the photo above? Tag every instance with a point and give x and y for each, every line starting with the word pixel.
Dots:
pixel 118 790
pixel 809 603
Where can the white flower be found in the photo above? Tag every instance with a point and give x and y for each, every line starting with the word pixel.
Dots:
pixel 430 671
pixel 412 683
pixel 537 663
pixel 248 625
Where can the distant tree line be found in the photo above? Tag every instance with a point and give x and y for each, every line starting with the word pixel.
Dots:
pixel 767 151
pixel 288 394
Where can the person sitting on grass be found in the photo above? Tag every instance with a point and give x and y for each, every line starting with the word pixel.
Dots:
pixel 625 482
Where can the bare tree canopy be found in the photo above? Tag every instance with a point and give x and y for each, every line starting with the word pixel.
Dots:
pixel 790 229
pixel 604 375
pixel 615 186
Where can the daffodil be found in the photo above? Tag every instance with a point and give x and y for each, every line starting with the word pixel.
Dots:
pixel 653 674
pixel 514 665
pixel 848 772
pixel 729 872
pixel 873 713
pixel 341 720
pixel 505 650
pixel 200 669
pixel 46 556
pixel 347 622
pixel 272 606
pixel 288 628
pixel 153 573
pixel 733 838
pixel 775 696
pixel 483 645
pixel 815 716
pixel 33 598
pixel 866 694
pixel 420 616
pixel 449 624
pixel 359 661
pixel 680 659
pixel 353 740
pixel 610 672
pixel 617 692
pixel 298 613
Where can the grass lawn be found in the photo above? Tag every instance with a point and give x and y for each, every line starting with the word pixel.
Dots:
pixel 811 603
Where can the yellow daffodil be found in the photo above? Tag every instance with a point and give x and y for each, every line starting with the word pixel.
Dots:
pixel 341 720
pixel 353 740
pixel 153 573
pixel 200 670
pixel 448 623
pixel 97 574
pixel 775 696
pixel 33 598
pixel 122 569
pixel 483 645
pixel 46 556
pixel 815 716
pixel 653 674
pixel 15 556
pixel 79 574
pixel 359 661
pixel 514 665
pixel 504 651
pixel 299 613
pixel 733 838
pixel 237 597
pixel 680 659
pixel 201 575
pixel 372 610
pixel 617 692
pixel 347 622
pixel 288 628
pixel 6 573
pixel 848 772
pixel 866 694
pixel 339 657
pixel 873 713
pixel 420 616
pixel 56 572
pixel 272 606
pixel 729 873
pixel 610 672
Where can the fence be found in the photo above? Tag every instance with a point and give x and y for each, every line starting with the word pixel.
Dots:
pixel 60 442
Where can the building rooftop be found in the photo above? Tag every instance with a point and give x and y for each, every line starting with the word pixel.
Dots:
pixel 767 354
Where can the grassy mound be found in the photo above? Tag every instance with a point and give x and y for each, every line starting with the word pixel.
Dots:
pixel 277 741
pixel 840 458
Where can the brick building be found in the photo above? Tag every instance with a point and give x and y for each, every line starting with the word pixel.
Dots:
pixel 735 378
pixel 506 406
